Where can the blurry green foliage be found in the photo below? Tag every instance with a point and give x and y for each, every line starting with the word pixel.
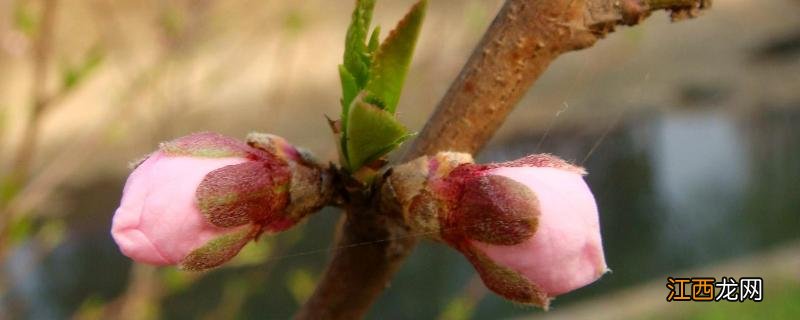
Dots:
pixel 234 294
pixel 8 189
pixel 116 132
pixel 91 308
pixel 20 228
pixel 73 74
pixel 254 253
pixel 172 20
pixel 52 232
pixel 295 22
pixel 301 284
pixel 175 280
pixel 477 16
pixel 289 238
pixel 3 117
pixel 458 309
pixel 24 18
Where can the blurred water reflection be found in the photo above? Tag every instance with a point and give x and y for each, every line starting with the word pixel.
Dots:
pixel 701 173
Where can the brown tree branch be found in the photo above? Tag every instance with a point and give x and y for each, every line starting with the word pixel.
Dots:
pixel 41 99
pixel 371 243
pixel 525 37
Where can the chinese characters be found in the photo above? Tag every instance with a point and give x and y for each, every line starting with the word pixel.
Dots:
pixel 709 289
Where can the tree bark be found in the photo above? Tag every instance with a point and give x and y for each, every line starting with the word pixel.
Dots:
pixel 524 38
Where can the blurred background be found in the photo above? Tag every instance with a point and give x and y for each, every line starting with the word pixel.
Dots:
pixel 690 133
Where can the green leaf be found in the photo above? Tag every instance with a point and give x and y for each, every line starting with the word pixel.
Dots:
pixel 374 40
pixel 354 72
pixel 371 134
pixel 349 91
pixel 356 59
pixel 372 78
pixel 349 88
pixel 390 63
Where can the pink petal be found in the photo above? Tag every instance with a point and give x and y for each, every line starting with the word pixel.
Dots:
pixel 566 252
pixel 158 221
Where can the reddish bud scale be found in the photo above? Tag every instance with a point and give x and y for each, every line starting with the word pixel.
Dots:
pixel 278 224
pixel 251 192
pixel 482 207
pixel 504 281
pixel 200 198
pixel 528 226
pixel 275 146
pixel 474 210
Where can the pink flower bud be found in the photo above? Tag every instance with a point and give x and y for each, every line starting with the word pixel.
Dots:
pixel 565 251
pixel 199 199
pixel 530 227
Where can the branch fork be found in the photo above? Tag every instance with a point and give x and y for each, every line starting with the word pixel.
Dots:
pixel 525 37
